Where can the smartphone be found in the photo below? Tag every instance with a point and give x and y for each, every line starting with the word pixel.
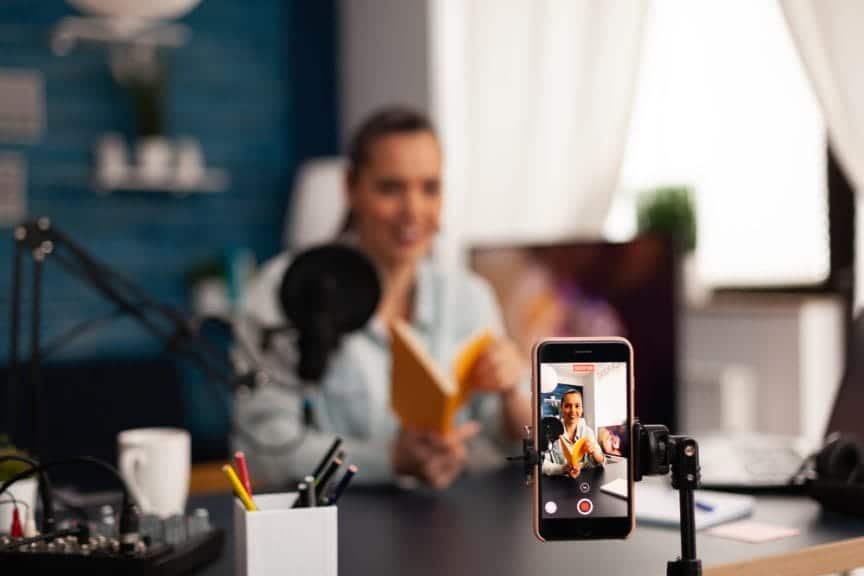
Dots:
pixel 582 398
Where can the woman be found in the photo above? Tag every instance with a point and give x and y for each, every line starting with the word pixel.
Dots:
pixel 394 197
pixel 555 463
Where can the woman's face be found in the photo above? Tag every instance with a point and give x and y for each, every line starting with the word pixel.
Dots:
pixel 395 198
pixel 571 408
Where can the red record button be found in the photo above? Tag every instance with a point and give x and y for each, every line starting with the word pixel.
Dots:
pixel 585 506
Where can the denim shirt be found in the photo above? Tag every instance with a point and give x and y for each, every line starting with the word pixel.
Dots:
pixel 554 460
pixel 353 398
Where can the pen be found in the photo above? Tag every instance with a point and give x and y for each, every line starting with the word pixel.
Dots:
pixel 324 479
pixel 238 488
pixel 242 471
pixel 327 457
pixel 705 507
pixel 343 483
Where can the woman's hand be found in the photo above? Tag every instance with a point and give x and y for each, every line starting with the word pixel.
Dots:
pixel 575 471
pixel 436 460
pixel 594 450
pixel 499 369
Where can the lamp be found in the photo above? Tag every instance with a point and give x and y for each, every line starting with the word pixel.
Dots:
pixel 149 10
pixel 133 22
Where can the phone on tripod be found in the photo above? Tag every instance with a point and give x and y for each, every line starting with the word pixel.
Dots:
pixel 582 398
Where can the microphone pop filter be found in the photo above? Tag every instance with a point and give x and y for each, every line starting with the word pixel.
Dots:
pixel 327 292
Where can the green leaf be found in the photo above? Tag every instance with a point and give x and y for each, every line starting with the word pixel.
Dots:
pixel 669 211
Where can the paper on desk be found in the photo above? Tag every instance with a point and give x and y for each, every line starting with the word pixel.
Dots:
pixel 657 503
pixel 617 487
pixel 750 531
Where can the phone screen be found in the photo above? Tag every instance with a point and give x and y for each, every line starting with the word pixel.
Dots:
pixel 583 436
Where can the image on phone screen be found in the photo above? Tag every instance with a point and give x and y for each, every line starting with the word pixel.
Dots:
pixel 584 440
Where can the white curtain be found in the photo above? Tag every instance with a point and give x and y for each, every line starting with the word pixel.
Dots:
pixel 829 39
pixel 533 99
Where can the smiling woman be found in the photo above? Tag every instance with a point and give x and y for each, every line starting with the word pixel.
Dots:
pixel 394 197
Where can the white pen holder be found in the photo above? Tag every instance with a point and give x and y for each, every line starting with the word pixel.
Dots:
pixel 279 539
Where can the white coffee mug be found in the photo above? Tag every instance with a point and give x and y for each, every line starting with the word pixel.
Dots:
pixel 155 464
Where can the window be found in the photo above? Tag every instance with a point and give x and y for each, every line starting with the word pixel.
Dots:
pixel 724 104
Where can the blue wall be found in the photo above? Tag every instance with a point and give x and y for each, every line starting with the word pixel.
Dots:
pixel 256 86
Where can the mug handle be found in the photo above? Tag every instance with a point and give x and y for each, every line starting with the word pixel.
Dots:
pixel 131 461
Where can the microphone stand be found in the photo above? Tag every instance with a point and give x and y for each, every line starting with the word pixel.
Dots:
pixel 41 240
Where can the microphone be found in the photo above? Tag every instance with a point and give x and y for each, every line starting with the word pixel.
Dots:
pixel 327 292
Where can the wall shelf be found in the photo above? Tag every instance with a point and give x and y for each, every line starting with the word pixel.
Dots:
pixel 212 181
pixel 160 165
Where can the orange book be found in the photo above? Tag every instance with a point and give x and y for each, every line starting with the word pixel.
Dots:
pixel 575 455
pixel 422 396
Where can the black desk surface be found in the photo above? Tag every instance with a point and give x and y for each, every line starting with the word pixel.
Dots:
pixel 482 525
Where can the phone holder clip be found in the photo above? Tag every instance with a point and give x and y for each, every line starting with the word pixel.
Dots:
pixel 529 457
pixel 655 453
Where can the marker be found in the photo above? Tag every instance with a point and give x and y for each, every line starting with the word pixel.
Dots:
pixel 300 502
pixel 703 506
pixel 242 471
pixel 327 457
pixel 308 495
pixel 343 483
pixel 238 488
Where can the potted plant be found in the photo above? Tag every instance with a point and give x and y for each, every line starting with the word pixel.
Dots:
pixel 143 75
pixel 670 211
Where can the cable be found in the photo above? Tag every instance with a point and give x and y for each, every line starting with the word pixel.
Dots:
pixel 66 504
pixel 79 329
pixel 128 524
pixel 15 502
pixel 45 492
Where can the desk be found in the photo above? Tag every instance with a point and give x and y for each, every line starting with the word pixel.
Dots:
pixel 482 525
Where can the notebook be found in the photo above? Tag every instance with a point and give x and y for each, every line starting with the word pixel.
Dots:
pixel 657 503
pixel 617 487
pixel 422 396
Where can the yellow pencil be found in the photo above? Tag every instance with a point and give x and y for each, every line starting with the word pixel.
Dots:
pixel 238 488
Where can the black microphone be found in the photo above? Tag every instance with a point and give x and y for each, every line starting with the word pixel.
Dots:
pixel 326 293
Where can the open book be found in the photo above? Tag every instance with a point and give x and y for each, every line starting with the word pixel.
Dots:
pixel 575 455
pixel 423 397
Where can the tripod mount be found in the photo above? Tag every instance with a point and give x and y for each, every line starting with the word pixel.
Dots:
pixel 656 452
